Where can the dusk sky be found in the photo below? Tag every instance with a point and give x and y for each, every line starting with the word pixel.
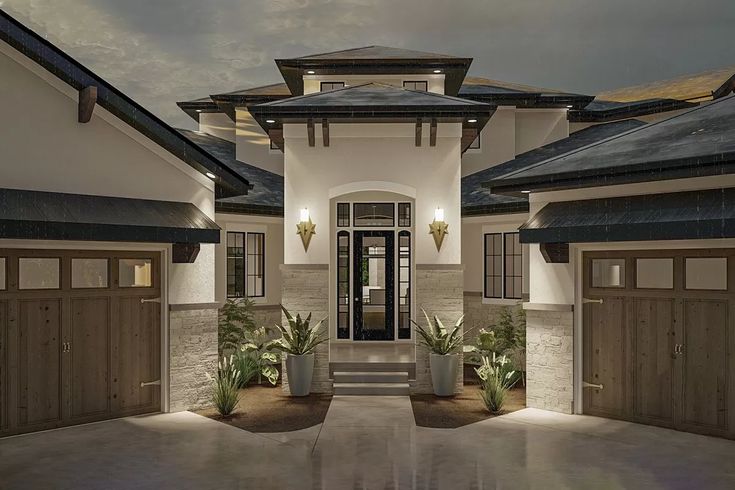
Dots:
pixel 162 51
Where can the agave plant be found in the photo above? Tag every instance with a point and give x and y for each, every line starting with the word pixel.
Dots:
pixel 437 338
pixel 224 393
pixel 299 338
pixel 497 377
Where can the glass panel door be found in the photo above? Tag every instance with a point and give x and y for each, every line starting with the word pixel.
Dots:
pixel 373 285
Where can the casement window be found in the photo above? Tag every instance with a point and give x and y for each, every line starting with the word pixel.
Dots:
pixel 245 265
pixel 422 86
pixel 326 86
pixel 475 145
pixel 503 266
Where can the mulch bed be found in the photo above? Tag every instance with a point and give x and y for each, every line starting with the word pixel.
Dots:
pixel 269 409
pixel 463 409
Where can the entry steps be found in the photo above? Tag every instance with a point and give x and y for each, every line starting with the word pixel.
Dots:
pixel 370 383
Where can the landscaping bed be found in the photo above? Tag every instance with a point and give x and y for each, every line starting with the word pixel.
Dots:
pixel 269 409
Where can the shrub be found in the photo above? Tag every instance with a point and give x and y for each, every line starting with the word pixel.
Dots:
pixel 497 377
pixel 247 365
pixel 225 395
pixel 235 321
pixel 257 351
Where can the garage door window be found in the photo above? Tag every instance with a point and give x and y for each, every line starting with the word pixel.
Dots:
pixel 89 273
pixel 135 273
pixel 38 273
pixel 706 273
pixel 608 273
pixel 2 274
pixel 654 273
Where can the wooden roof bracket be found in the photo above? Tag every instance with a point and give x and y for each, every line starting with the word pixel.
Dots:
pixel 432 133
pixel 87 101
pixel 325 132
pixel 310 132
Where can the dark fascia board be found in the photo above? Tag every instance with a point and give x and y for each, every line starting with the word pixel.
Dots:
pixel 726 88
pixel 701 166
pixel 194 108
pixel 242 208
pixel 495 209
pixel 454 69
pixel 229 103
pixel 77 76
pixel 632 109
pixel 533 100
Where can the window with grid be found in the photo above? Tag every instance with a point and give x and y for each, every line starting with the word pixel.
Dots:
pixel 513 257
pixel 325 86
pixel 245 265
pixel 343 285
pixel 404 214
pixel 493 265
pixel 404 285
pixel 343 214
pixel 416 85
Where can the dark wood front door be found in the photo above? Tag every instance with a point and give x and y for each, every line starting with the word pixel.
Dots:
pixel 373 285
pixel 658 333
pixel 78 335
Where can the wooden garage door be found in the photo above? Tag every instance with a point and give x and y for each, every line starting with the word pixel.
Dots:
pixel 657 337
pixel 79 337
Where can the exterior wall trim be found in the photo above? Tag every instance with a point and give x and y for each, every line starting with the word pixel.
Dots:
pixel 440 267
pixel 547 307
pixel 301 267
pixel 194 306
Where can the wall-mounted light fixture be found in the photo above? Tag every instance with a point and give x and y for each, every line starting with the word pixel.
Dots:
pixel 438 228
pixel 305 228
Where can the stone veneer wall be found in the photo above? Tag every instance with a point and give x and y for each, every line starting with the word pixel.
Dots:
pixel 304 290
pixel 549 360
pixel 479 315
pixel 192 355
pixel 268 316
pixel 439 290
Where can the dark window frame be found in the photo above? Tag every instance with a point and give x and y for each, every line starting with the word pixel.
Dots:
pixel 499 294
pixel 342 220
pixel 341 330
pixel 244 276
pixel 513 274
pixel 354 215
pixel 404 332
pixel 248 255
pixel 404 222
pixel 322 84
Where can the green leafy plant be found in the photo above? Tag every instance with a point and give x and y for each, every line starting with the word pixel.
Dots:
pixel 235 321
pixel 437 338
pixel 506 337
pixel 497 377
pixel 299 337
pixel 225 394
pixel 248 367
pixel 257 348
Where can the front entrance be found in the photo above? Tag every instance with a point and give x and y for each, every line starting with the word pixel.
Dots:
pixel 659 334
pixel 80 337
pixel 373 285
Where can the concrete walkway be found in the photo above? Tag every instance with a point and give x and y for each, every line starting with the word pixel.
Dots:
pixel 365 443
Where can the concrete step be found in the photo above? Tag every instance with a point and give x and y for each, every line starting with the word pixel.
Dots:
pixel 371 388
pixel 380 367
pixel 371 377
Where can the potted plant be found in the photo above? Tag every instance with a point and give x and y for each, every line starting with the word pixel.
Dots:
pixel 444 358
pixel 298 341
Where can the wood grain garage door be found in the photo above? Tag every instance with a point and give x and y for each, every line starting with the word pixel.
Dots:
pixel 658 330
pixel 79 337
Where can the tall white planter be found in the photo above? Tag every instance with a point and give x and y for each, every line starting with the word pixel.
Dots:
pixel 299 371
pixel 444 373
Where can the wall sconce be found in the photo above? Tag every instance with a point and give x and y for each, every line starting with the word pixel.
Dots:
pixel 439 228
pixel 305 228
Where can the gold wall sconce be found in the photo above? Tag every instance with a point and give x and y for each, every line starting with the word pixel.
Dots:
pixel 438 228
pixel 305 228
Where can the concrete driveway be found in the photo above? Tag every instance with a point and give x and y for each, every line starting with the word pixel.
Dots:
pixel 368 442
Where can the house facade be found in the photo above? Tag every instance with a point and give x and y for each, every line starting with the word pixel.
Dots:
pixel 368 185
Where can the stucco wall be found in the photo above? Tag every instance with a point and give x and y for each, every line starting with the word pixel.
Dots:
pixel 254 145
pixel 538 127
pixel 217 124
pixel 497 142
pixel 373 157
pixel 273 229
pixel 46 149
pixel 435 82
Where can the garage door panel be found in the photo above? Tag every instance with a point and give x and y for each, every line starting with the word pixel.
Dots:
pixel 90 359
pixel 39 361
pixel 653 346
pixel 605 363
pixel 705 371
pixel 137 345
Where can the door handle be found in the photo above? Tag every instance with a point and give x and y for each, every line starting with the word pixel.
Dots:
pixel 150 383
pixel 600 386
pixel 585 301
pixel 151 300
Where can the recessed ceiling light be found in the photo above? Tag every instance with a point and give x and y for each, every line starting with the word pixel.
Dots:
pixel 310 72
pixel 211 175
pixel 270 121
pixel 569 106
pixel 437 71
pixel 199 110
pixel 525 192
pixel 471 120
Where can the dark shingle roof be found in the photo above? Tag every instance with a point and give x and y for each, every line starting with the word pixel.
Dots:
pixel 375 53
pixel 505 93
pixel 608 110
pixel 77 76
pixel 698 142
pixel 266 196
pixel 478 200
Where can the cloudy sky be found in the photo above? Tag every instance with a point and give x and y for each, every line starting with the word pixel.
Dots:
pixel 161 51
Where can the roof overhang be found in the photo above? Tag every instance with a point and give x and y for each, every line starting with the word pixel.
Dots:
pixel 532 100
pixel 628 110
pixel 39 215
pixel 195 107
pixel 675 216
pixel 453 69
